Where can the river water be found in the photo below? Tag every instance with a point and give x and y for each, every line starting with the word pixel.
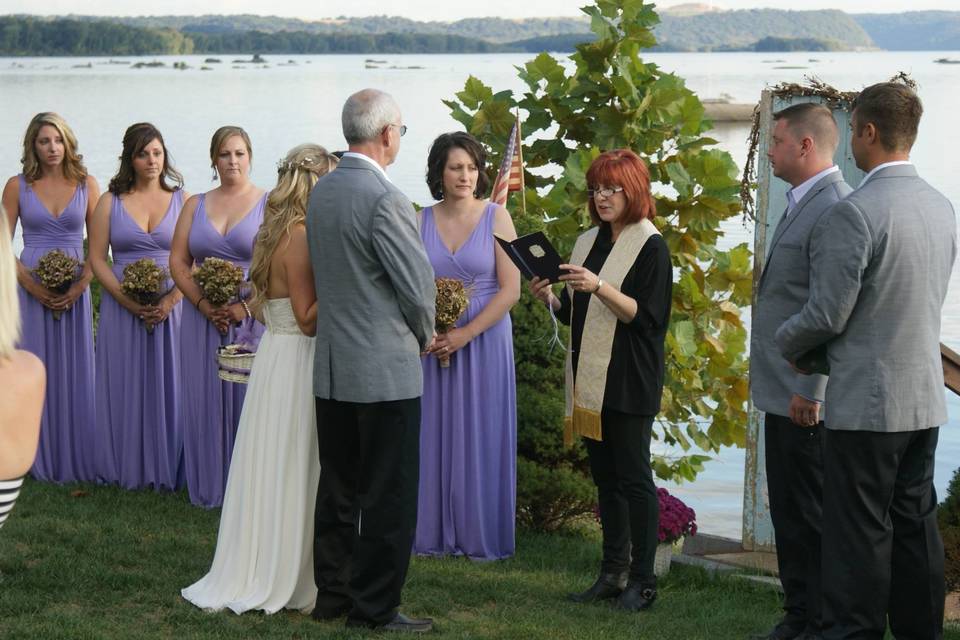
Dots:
pixel 295 99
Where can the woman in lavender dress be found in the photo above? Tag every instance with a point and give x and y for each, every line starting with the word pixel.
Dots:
pixel 468 433
pixel 221 223
pixel 53 199
pixel 140 443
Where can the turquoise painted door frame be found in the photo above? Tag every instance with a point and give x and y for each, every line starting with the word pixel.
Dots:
pixel 771 202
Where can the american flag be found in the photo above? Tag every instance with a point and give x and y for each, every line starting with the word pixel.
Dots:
pixel 510 176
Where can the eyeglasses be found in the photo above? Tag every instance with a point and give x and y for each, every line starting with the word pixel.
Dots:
pixel 401 127
pixel 606 193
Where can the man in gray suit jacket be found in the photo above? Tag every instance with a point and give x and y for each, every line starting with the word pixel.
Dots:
pixel 375 315
pixel 804 141
pixel 881 260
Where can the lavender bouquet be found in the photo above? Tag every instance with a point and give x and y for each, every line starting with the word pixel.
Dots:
pixel 143 282
pixel 57 272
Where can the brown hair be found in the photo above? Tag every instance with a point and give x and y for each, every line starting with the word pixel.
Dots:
pixel 73 168
pixel 894 109
pixel 136 137
pixel 623 168
pixel 223 134
pixel 814 120
pixel 437 161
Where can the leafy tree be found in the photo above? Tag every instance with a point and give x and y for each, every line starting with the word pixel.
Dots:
pixel 606 97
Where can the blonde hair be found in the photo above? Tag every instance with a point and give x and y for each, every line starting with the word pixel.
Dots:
pixel 286 206
pixel 223 134
pixel 9 302
pixel 73 168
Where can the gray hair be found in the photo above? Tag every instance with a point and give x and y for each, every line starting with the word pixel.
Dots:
pixel 366 113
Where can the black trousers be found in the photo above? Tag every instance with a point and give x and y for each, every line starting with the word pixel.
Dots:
pixel 366 505
pixel 882 552
pixel 794 465
pixel 629 508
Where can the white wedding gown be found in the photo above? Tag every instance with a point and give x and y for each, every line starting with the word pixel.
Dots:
pixel 264 556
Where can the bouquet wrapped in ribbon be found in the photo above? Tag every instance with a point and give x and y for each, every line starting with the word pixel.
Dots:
pixel 452 301
pixel 219 280
pixel 143 282
pixel 57 272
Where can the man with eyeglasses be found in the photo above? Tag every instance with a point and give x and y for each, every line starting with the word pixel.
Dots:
pixel 375 315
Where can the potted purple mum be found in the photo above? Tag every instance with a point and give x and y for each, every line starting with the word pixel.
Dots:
pixel 677 520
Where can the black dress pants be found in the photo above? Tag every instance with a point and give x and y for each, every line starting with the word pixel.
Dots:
pixel 794 465
pixel 629 508
pixel 366 505
pixel 882 552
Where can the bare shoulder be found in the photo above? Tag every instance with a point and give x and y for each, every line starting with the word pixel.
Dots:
pixel 91 183
pixel 503 223
pixel 24 375
pixel 12 186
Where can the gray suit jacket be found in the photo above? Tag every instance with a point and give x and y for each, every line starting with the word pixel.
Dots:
pixel 782 291
pixel 375 289
pixel 880 263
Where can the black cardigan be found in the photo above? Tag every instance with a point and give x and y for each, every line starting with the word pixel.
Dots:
pixel 635 373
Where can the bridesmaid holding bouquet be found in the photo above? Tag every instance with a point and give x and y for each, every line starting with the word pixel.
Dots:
pixel 221 223
pixel 53 199
pixel 140 441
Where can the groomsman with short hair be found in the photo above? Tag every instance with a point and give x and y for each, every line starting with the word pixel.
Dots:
pixel 803 142
pixel 880 264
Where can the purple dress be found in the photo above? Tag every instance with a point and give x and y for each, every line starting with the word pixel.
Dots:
pixel 468 432
pixel 67 447
pixel 211 407
pixel 138 397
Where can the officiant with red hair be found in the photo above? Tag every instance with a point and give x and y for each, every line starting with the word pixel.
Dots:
pixel 616 299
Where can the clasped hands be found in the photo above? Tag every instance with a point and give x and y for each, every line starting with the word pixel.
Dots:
pixel 445 344
pixel 222 317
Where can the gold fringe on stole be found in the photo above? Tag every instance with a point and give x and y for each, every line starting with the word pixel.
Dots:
pixel 584 424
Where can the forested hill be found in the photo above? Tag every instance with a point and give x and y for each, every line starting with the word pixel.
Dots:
pixel 687 30
pixel 913 31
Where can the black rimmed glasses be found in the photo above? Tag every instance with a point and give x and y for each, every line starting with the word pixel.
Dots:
pixel 606 193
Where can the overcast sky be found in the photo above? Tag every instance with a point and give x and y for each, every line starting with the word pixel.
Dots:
pixel 416 9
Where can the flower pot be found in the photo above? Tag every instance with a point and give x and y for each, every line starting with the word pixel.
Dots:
pixel 661 562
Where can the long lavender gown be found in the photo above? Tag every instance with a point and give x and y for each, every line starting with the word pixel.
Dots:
pixel 67 447
pixel 468 432
pixel 138 402
pixel 211 407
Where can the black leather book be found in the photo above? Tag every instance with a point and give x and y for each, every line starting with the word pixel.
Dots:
pixel 534 256
pixel 815 361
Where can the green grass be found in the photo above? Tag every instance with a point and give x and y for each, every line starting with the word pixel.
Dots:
pixel 103 563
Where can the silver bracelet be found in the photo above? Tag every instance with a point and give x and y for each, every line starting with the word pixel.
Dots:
pixel 246 308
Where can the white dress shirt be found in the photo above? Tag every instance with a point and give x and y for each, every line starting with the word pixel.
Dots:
pixel 354 154
pixel 795 195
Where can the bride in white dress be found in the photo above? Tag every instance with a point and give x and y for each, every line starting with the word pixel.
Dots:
pixel 264 556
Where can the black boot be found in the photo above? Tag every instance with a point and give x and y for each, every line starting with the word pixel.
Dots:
pixel 607 586
pixel 636 597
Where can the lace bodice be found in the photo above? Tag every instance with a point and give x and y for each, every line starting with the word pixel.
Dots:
pixel 279 317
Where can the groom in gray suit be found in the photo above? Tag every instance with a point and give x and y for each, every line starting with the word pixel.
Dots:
pixel 880 264
pixel 804 141
pixel 375 315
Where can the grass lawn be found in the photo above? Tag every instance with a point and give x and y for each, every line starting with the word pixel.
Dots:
pixel 80 562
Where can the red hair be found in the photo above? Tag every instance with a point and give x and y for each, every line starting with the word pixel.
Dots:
pixel 623 168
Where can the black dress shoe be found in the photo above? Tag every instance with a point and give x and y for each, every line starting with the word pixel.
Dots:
pixel 636 597
pixel 608 585
pixel 400 622
pixel 783 631
pixel 340 610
